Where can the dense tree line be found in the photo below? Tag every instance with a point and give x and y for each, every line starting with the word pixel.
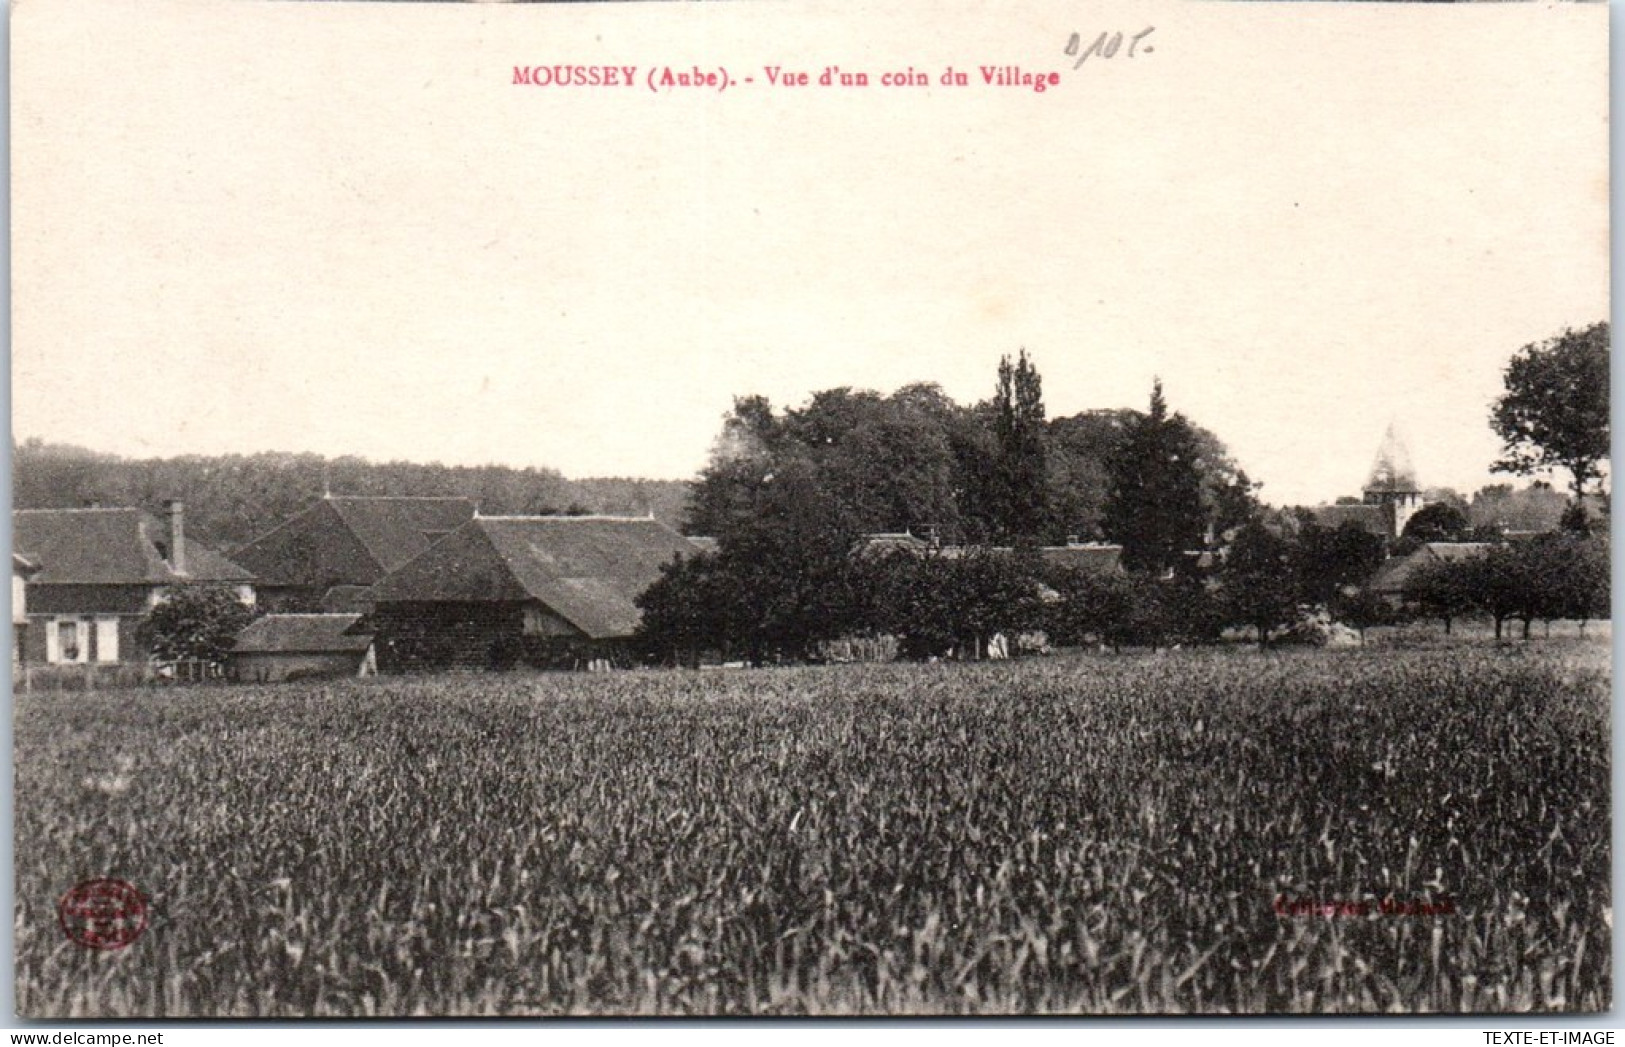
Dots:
pixel 1277 578
pixel 992 473
pixel 743 604
pixel 231 499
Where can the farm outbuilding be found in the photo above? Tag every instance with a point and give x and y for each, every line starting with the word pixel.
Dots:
pixel 542 591
pixel 324 558
pixel 297 646
pixel 1395 574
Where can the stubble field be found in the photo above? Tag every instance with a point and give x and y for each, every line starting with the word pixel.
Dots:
pixel 1411 830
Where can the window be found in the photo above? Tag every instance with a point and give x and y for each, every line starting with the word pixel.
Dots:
pixel 67 640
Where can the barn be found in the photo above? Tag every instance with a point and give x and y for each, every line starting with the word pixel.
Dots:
pixel 324 558
pixel 505 591
pixel 281 647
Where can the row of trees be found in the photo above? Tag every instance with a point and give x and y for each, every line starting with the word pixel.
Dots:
pixel 1268 580
pixel 743 604
pixel 1554 576
pixel 995 473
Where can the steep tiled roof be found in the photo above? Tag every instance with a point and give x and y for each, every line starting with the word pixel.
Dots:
pixel 351 541
pixel 110 547
pixel 586 569
pixel 301 634
pixel 1393 575
pixel 1370 518
pixel 394 530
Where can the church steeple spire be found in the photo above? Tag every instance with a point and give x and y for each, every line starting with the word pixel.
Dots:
pixel 1392 472
pixel 1392 483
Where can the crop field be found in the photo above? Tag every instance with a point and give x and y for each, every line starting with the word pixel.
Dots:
pixel 1197 831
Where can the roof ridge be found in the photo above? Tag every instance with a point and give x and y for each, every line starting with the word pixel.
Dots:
pixel 309 614
pixel 396 498
pixel 570 516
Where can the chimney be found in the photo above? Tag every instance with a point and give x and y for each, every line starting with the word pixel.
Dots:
pixel 177 535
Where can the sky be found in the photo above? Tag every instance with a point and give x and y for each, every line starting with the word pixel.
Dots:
pixel 344 229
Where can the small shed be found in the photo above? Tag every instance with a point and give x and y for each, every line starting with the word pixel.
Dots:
pixel 298 646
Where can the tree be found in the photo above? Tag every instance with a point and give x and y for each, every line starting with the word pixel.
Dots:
pixel 1442 589
pixel 1533 509
pixel 1439 522
pixel 196 623
pixel 1503 583
pixel 1022 481
pixel 1235 502
pixel 1554 413
pixel 1155 507
pixel 741 456
pixel 886 461
pixel 691 608
pixel 1092 603
pixel 1361 608
pixel 936 604
pixel 1260 581
pixel 1329 561
pixel 1564 575
pixel 787 564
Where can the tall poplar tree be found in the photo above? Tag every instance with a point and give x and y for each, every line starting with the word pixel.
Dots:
pixel 1155 506
pixel 1021 482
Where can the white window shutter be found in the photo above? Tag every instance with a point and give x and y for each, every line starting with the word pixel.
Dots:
pixel 107 639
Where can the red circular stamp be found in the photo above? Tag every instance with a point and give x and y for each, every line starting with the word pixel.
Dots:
pixel 103 914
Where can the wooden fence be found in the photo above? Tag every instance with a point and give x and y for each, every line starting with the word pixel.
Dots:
pixel 32 678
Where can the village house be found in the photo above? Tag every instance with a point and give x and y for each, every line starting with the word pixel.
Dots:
pixel 22 569
pixel 281 647
pixel 93 574
pixel 501 591
pixel 323 559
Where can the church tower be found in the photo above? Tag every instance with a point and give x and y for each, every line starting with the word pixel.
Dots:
pixel 1393 482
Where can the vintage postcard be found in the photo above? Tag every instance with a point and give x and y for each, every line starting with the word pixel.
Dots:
pixel 809 509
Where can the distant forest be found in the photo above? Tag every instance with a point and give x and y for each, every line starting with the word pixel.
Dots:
pixel 231 499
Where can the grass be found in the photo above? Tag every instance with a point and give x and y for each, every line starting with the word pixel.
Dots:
pixel 1085 834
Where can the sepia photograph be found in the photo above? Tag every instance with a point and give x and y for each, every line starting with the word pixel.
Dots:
pixel 809 510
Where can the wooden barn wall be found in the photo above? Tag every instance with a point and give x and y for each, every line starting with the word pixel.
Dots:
pixel 416 637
